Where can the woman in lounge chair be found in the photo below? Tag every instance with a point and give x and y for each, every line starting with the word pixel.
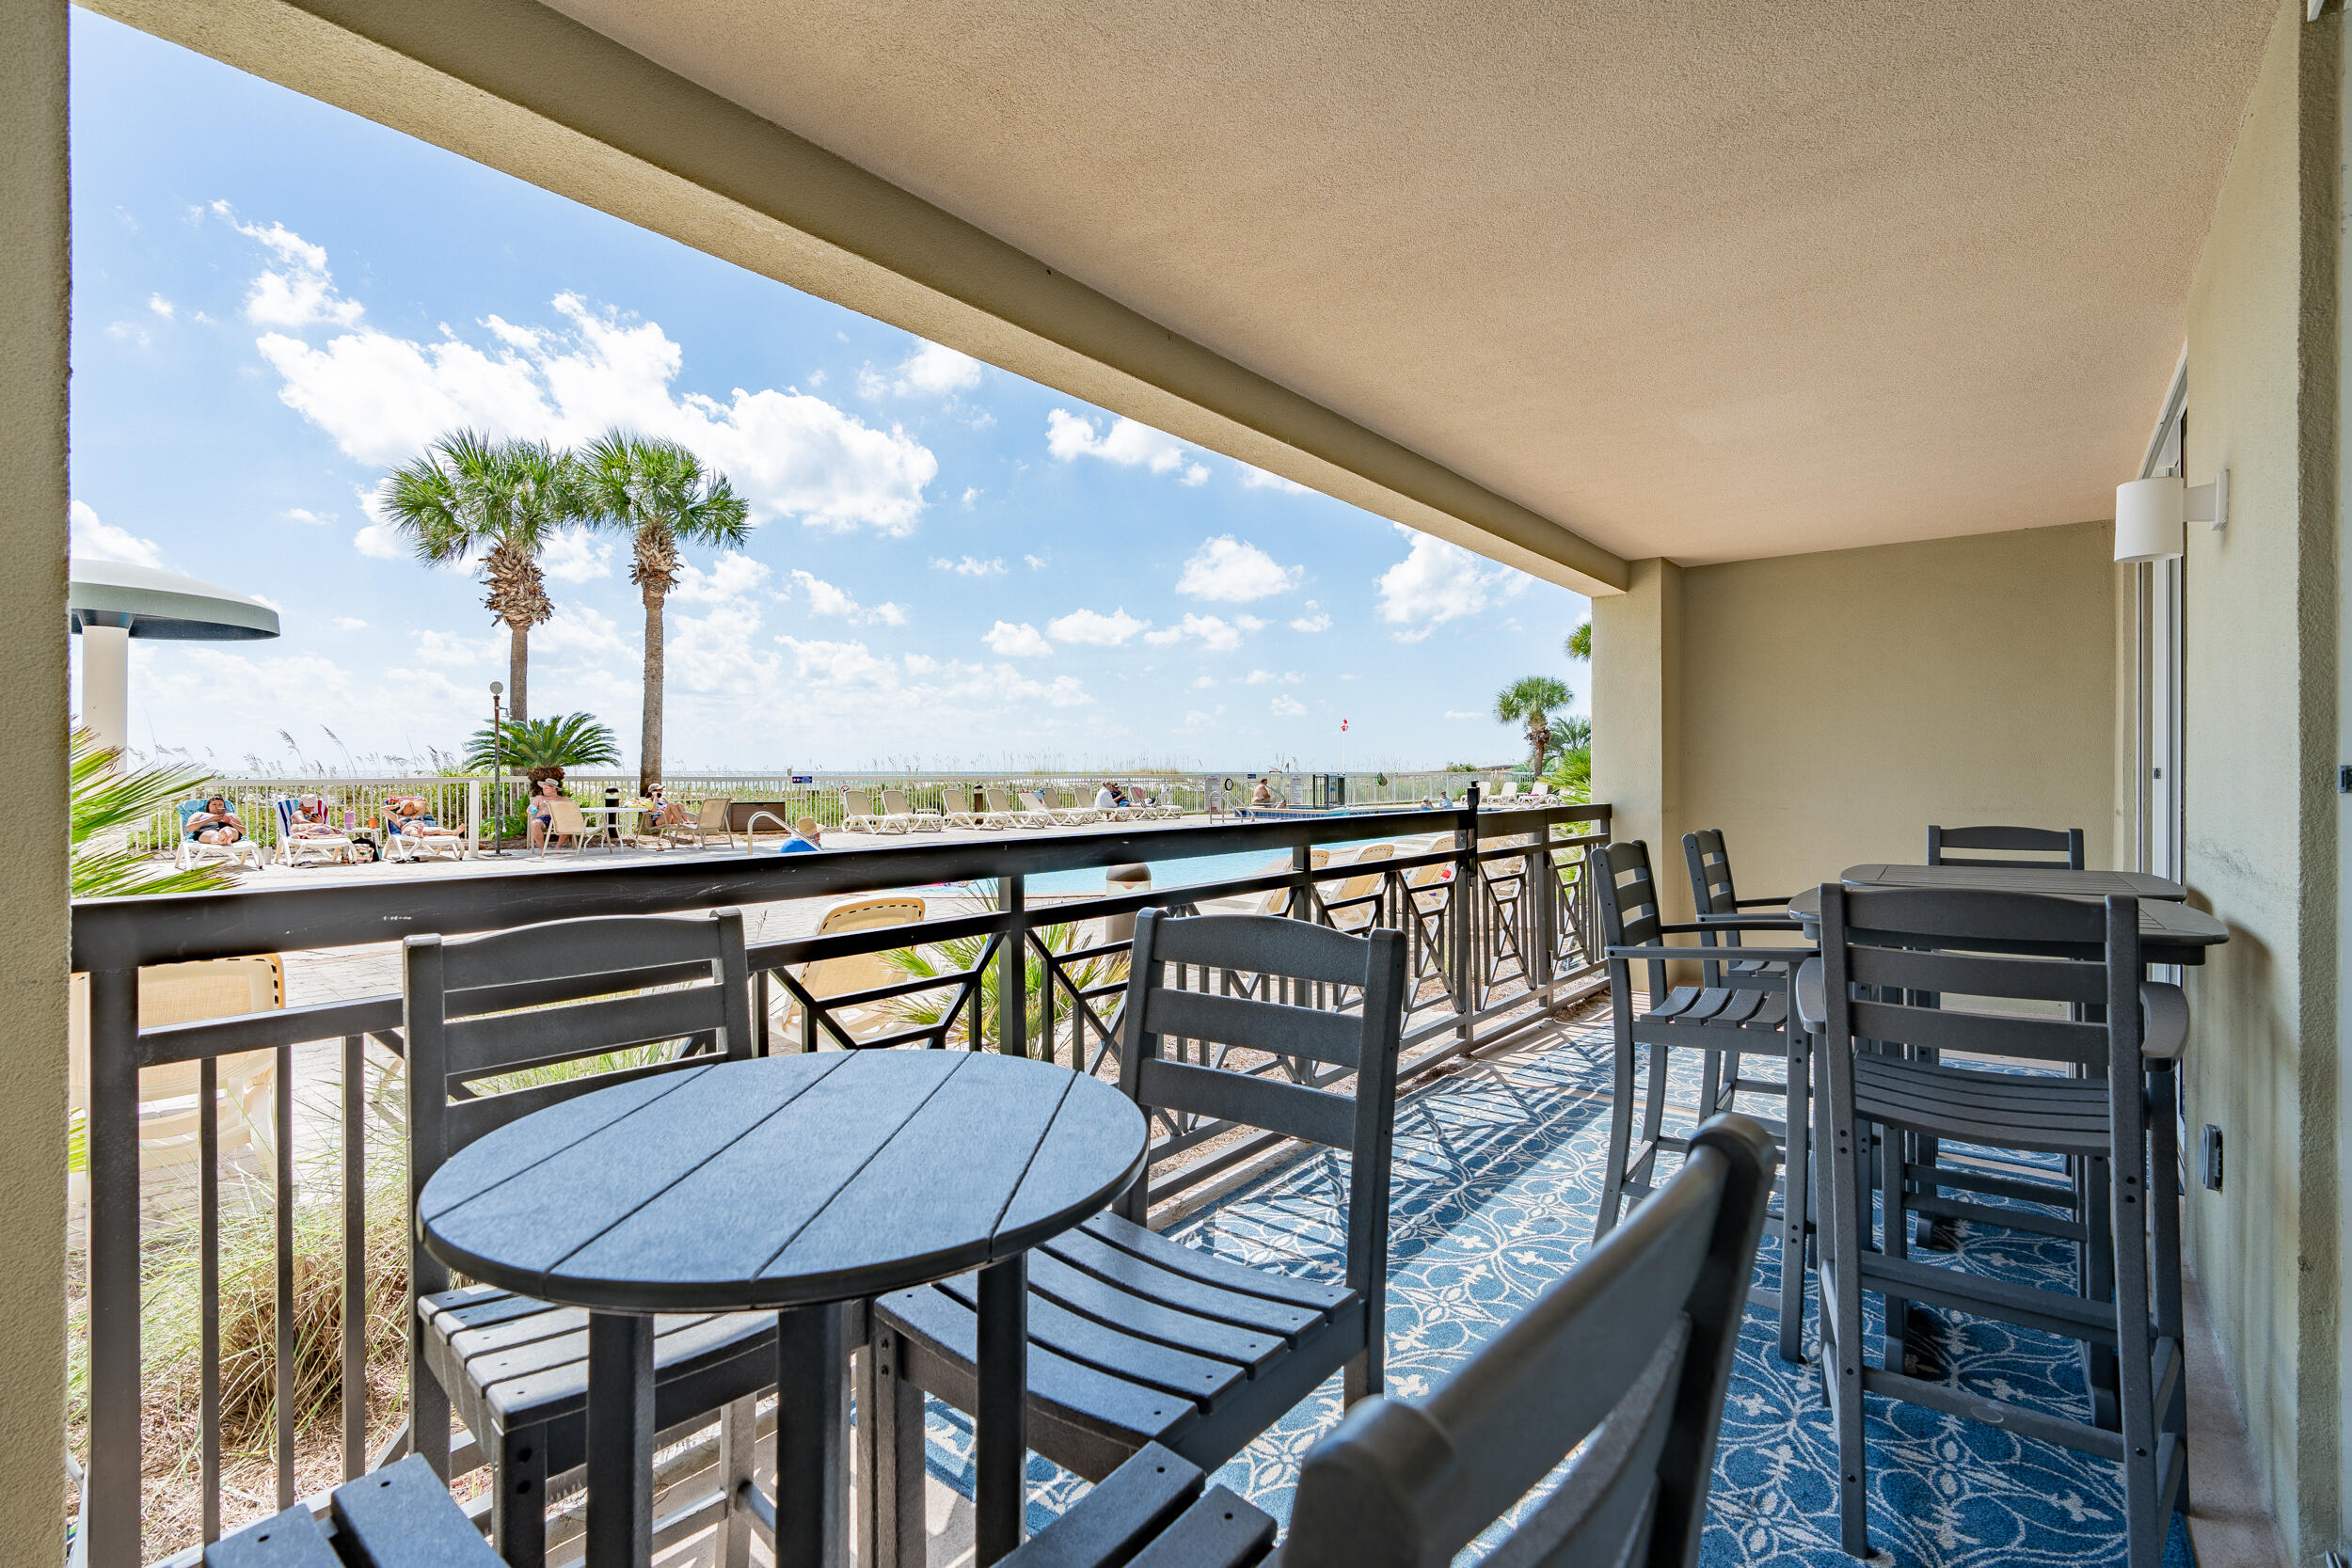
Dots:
pixel 216 823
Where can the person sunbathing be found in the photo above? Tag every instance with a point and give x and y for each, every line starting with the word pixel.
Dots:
pixel 408 815
pixel 216 823
pixel 313 817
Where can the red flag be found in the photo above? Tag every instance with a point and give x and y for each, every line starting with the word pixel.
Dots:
pixel 1343 726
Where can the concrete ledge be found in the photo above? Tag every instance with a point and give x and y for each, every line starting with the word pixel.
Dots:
pixel 2230 1522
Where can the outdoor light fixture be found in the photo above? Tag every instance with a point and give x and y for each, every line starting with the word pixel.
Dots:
pixel 2149 515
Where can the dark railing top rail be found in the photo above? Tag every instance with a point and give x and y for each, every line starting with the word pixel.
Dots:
pixel 124 933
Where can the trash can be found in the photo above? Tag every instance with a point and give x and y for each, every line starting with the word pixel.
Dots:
pixel 1118 880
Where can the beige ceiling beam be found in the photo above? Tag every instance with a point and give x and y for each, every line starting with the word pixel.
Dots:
pixel 523 89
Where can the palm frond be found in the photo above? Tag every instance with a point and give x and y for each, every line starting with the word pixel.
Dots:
pixel 107 805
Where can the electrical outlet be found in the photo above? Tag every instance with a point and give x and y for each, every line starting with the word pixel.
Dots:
pixel 2343 778
pixel 2209 1157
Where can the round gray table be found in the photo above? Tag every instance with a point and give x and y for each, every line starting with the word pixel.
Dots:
pixel 787 1183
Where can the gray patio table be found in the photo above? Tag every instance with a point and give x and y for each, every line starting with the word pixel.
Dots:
pixel 834 1176
pixel 2170 932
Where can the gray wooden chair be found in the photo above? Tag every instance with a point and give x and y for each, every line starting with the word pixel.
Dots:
pixel 1628 1356
pixel 1889 958
pixel 2010 842
pixel 400 1516
pixel 558 995
pixel 1135 1338
pixel 1741 1009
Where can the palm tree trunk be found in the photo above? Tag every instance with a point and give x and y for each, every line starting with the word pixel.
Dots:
pixel 518 673
pixel 649 739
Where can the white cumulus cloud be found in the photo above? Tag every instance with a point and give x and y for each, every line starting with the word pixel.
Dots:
pixel 576 556
pixel 161 305
pixel 1438 582
pixel 88 539
pixel 935 370
pixel 1093 629
pixel 970 566
pixel 1257 479
pixel 1008 641
pixel 1126 443
pixel 382 398
pixel 297 291
pixel 1214 632
pixel 839 604
pixel 1286 708
pixel 732 579
pixel 1234 571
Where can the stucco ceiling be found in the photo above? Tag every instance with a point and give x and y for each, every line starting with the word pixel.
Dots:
pixel 1698 280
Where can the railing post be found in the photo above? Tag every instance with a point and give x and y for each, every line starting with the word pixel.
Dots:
pixel 1464 960
pixel 1013 959
pixel 1544 884
pixel 112 1489
pixel 473 816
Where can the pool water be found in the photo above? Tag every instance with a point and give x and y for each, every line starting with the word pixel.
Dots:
pixel 1180 873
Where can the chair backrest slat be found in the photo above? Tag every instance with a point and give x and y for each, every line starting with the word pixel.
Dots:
pixel 1265 944
pixel 2047 841
pixel 1291 1109
pixel 1198 1015
pixel 563 949
pixel 2046 1039
pixel 1712 891
pixel 1973 974
pixel 1633 1350
pixel 506 1042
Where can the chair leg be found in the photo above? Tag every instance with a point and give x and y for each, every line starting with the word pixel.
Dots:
pixel 2145 1522
pixel 1847 1151
pixel 1620 1141
pixel 2099 1284
pixel 894 1447
pixel 1796 1200
pixel 1895 1228
pixel 428 1407
pixel 739 1425
pixel 1643 1171
pixel 518 1513
pixel 2163 1214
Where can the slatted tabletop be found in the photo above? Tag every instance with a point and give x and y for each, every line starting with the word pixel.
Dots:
pixel 782 1181
pixel 2016 879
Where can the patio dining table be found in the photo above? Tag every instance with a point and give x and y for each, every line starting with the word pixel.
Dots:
pixel 2170 932
pixel 849 1174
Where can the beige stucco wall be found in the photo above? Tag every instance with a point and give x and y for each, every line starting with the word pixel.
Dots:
pixel 1832 706
pixel 2259 738
pixel 33 274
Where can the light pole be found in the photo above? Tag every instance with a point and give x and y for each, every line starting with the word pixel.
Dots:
pixel 497 775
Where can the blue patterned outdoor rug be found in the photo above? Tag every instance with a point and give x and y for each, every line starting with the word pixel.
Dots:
pixel 1497 1181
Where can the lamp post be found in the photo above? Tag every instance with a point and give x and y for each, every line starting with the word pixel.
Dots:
pixel 497 775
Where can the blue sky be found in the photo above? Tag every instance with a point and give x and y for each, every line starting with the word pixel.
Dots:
pixel 954 568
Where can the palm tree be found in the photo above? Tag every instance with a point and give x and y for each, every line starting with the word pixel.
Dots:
pixel 1581 641
pixel 543 747
pixel 108 803
pixel 662 495
pixel 1531 700
pixel 502 500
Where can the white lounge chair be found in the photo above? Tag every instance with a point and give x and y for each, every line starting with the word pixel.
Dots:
pixel 300 843
pixel 841 1027
pixel 418 838
pixel 245 851
pixel 972 817
pixel 858 814
pixel 895 809
pixel 1042 815
pixel 1076 811
pixel 1357 918
pixel 1002 811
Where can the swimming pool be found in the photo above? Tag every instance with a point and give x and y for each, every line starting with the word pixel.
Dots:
pixel 1193 869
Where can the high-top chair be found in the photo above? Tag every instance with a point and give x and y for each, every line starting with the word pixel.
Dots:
pixel 2010 841
pixel 513 1002
pixel 1891 961
pixel 1135 1338
pixel 1629 1355
pixel 1742 1009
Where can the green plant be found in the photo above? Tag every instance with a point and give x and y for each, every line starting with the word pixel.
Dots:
pixel 469 496
pixel 1532 701
pixel 933 960
pixel 544 748
pixel 107 805
pixel 1581 641
pixel 661 494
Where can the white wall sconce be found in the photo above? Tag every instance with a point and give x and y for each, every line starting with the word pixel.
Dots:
pixel 2149 515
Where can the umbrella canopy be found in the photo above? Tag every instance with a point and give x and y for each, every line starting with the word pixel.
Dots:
pixel 109 602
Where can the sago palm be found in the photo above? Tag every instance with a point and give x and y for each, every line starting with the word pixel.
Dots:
pixel 503 501
pixel 1530 702
pixel 661 493
pixel 957 955
pixel 543 747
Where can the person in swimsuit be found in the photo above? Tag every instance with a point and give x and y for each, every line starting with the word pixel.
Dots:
pixel 215 823
pixel 542 813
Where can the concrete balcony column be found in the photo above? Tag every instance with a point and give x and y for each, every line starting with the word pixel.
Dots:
pixel 1637 716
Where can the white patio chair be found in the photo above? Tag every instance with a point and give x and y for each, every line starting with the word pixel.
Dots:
pixel 895 808
pixel 1004 812
pixel 710 819
pixel 858 814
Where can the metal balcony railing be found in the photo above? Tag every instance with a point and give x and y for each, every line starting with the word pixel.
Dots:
pixel 1499 919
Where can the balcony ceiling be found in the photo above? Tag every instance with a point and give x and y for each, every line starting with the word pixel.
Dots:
pixel 1705 281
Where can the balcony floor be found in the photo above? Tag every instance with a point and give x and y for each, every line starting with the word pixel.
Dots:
pixel 1497 1180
